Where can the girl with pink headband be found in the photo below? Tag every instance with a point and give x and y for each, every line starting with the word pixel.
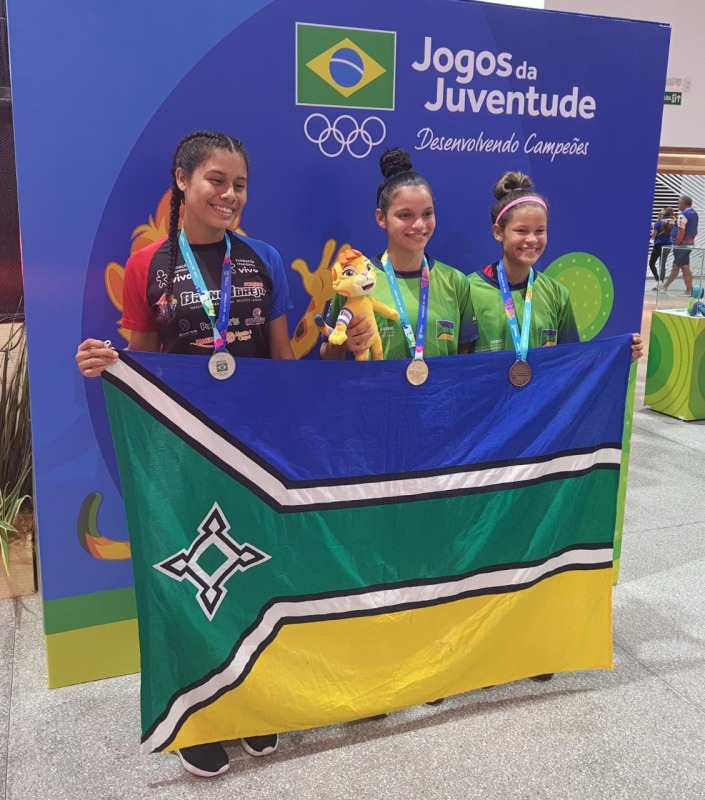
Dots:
pixel 520 224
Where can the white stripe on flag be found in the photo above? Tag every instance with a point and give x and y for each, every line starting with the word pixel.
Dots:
pixel 358 492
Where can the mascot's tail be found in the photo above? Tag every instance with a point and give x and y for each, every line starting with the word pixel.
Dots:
pixel 323 326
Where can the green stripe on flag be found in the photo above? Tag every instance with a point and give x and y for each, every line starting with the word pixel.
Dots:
pixel 317 552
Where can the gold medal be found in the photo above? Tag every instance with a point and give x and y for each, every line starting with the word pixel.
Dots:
pixel 221 365
pixel 417 372
pixel 519 373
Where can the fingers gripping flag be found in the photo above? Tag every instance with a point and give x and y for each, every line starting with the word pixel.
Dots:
pixel 319 542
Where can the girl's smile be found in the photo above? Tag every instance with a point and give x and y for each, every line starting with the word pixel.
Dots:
pixel 523 238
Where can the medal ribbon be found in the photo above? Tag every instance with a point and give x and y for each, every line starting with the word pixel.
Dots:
pixel 520 337
pixel 416 343
pixel 220 327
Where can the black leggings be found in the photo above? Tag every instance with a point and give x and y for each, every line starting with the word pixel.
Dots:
pixel 655 256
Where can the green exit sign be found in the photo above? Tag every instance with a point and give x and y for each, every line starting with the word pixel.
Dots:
pixel 672 98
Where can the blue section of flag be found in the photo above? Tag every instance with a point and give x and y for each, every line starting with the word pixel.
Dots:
pixel 575 401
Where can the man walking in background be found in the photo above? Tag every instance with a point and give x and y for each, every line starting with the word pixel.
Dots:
pixel 683 240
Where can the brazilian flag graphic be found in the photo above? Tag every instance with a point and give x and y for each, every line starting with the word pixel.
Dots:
pixel 317 542
pixel 346 67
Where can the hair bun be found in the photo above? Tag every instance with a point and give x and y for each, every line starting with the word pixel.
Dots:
pixel 511 182
pixel 392 162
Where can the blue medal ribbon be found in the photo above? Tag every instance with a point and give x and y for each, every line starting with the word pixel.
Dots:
pixel 220 326
pixel 520 336
pixel 418 342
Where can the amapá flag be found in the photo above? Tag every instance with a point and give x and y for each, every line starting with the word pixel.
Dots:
pixel 316 542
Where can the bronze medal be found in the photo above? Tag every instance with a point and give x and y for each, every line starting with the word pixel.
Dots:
pixel 221 365
pixel 519 373
pixel 417 372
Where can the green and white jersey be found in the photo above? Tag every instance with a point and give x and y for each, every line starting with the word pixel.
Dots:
pixel 552 319
pixel 450 319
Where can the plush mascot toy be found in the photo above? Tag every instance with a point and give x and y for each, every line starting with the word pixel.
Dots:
pixel 696 307
pixel 354 278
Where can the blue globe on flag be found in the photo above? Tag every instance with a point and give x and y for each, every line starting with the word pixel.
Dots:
pixel 346 67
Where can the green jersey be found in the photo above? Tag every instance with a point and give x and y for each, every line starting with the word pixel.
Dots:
pixel 450 319
pixel 552 319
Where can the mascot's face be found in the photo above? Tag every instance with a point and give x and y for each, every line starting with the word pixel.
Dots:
pixel 356 279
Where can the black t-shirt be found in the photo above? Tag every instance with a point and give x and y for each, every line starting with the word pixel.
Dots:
pixel 259 294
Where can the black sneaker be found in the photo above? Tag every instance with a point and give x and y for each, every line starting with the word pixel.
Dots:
pixel 204 760
pixel 260 745
pixel 543 678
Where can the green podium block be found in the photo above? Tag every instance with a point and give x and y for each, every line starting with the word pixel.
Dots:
pixel 675 376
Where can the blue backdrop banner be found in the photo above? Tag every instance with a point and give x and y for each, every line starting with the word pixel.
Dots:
pixel 317 91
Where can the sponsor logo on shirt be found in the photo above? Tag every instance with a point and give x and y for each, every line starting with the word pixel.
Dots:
pixel 256 318
pixel 445 330
pixel 232 322
pixel 240 336
pixel 239 293
pixel 244 266
pixel 181 274
pixel 247 292
pixel 386 330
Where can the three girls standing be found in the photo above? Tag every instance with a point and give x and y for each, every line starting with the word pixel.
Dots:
pixel 442 312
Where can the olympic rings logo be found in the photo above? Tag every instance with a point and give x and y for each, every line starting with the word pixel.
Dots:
pixel 345 133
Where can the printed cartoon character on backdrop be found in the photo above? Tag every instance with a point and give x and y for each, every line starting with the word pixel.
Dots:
pixel 318 284
pixel 696 307
pixel 354 278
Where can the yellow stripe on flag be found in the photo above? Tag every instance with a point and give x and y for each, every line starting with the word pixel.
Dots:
pixel 322 673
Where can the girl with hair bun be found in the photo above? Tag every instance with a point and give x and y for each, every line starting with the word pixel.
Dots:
pixel 209 180
pixel 520 224
pixel 408 278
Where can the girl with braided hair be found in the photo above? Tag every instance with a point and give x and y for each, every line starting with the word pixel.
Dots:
pixel 163 311
pixel 161 304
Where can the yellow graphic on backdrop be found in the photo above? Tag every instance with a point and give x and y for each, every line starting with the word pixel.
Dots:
pixel 319 285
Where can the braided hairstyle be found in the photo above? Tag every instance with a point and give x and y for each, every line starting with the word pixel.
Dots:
pixel 510 187
pixel 190 153
pixel 398 172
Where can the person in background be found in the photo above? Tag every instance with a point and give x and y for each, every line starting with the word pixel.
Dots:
pixel 683 238
pixel 661 235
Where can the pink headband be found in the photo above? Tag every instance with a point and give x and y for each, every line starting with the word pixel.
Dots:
pixel 529 199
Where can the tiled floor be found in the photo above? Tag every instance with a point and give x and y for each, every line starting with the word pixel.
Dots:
pixel 637 732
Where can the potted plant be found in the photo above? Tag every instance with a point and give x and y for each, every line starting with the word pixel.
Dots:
pixel 16 517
